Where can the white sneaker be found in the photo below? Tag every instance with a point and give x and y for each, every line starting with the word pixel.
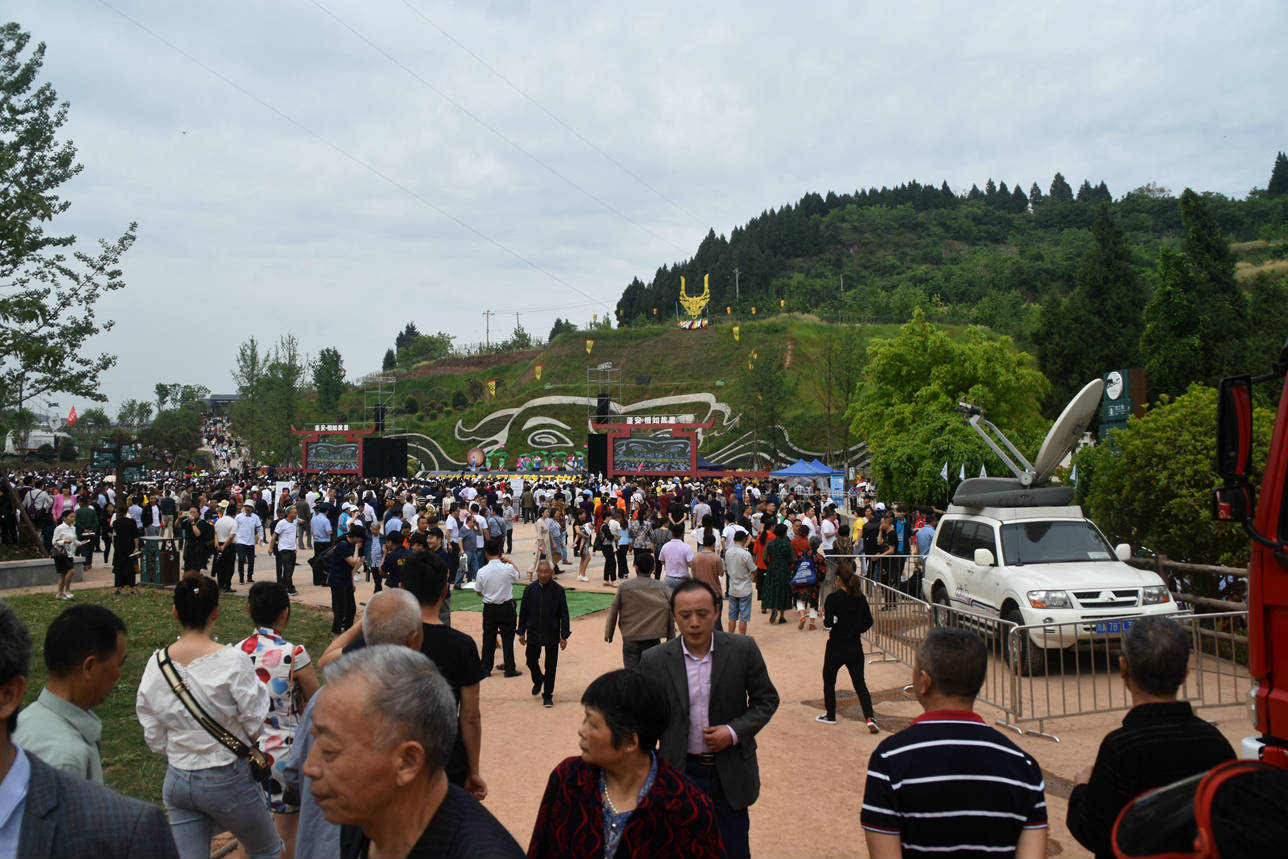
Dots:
pixel 824 719
pixel 872 726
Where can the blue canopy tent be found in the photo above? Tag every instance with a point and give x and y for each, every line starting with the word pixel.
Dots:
pixel 799 468
pixel 823 469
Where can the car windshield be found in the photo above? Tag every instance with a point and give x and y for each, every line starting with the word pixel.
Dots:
pixel 1054 543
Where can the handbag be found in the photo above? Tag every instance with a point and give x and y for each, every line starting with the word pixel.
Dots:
pixel 260 768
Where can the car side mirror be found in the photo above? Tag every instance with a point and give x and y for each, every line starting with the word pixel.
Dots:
pixel 1123 551
pixel 983 558
pixel 1232 503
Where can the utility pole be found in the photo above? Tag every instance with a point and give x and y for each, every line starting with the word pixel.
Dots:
pixel 736 294
pixel 487 328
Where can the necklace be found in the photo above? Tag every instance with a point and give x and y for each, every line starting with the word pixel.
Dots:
pixel 608 799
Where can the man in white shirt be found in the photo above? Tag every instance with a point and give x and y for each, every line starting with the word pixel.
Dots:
pixel 225 557
pixel 495 586
pixel 740 574
pixel 283 547
pixel 250 531
pixel 676 557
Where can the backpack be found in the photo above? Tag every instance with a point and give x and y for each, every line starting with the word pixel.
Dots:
pixel 805 573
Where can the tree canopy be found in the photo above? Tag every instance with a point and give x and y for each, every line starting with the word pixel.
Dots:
pixel 906 404
pixel 48 289
pixel 1151 483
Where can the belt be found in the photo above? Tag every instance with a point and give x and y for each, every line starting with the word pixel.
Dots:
pixel 507 602
pixel 706 759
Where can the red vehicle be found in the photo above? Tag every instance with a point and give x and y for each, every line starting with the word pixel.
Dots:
pixel 1265 516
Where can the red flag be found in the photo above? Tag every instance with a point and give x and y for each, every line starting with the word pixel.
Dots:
pixel 71 416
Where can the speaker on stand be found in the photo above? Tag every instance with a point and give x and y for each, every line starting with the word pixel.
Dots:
pixel 597 453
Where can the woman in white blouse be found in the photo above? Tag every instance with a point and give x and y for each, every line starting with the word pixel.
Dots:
pixel 207 789
pixel 64 551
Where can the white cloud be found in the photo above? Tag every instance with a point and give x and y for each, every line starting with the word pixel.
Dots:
pixel 250 225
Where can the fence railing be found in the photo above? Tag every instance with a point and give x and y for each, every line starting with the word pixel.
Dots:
pixel 1042 672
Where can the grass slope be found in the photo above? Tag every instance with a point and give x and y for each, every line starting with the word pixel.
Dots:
pixel 677 362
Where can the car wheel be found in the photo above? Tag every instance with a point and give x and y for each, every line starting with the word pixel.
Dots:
pixel 1026 658
pixel 942 606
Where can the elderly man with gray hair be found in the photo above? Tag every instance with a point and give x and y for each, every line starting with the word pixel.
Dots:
pixel 1161 740
pixel 392 617
pixel 384 727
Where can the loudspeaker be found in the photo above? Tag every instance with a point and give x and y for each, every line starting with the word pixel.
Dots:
pixel 602 407
pixel 597 453
pixel 384 457
pixel 378 417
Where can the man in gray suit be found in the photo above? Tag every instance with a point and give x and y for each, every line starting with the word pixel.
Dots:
pixel 720 696
pixel 60 814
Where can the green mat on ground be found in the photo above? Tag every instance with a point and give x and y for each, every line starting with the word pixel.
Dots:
pixel 579 602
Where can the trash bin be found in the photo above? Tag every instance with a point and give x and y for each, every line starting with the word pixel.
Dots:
pixel 158 561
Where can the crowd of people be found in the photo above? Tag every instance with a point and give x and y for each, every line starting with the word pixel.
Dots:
pixel 383 759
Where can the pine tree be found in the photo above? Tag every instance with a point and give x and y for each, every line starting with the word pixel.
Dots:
pixel 390 360
pixel 1100 322
pixel 974 193
pixel 1084 192
pixel 990 189
pixel 1102 194
pixel 1060 191
pixel 1278 186
pixel 1019 202
pixel 1170 342
pixel 1035 196
pixel 1222 304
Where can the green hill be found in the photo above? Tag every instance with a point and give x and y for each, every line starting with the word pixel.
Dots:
pixel 445 407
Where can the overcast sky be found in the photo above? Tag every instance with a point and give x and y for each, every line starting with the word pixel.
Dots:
pixel 335 169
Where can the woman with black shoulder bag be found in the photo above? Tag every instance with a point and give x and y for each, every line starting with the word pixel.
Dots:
pixel 201 705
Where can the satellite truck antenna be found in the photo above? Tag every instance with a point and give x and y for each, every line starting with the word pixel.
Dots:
pixel 1059 441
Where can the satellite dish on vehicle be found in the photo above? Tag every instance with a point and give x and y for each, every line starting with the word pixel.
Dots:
pixel 1067 429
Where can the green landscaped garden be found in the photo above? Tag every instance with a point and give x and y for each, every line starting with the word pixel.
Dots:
pixel 579 602
pixel 128 765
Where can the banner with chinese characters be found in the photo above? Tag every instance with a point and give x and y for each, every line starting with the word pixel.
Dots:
pixel 491 387
pixel 537 371
pixel 590 344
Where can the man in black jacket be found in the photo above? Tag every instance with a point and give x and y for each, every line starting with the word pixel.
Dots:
pixel 544 625
pixel 1161 740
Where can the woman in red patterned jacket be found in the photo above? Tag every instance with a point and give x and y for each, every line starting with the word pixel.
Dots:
pixel 620 800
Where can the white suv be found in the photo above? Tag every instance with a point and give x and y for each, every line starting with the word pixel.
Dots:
pixel 1036 566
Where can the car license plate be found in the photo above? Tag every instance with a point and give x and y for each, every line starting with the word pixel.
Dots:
pixel 1112 627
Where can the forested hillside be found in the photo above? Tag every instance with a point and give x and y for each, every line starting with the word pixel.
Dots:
pixel 1074 277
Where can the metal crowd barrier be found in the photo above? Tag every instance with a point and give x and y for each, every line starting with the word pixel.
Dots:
pixel 1075 673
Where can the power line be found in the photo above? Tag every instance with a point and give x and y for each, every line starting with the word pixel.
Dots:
pixel 500 135
pixel 550 113
pixel 351 157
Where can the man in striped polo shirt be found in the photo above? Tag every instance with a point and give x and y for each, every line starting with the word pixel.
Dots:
pixel 949 783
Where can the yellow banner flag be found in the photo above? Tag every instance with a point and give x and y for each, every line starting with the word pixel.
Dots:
pixel 782 302
pixel 491 387
pixel 751 359
pixel 753 310
pixel 655 311
pixel 728 310
pixel 538 372
pixel 590 344
pixel 737 333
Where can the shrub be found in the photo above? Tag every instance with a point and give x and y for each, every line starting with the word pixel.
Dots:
pixel 45 453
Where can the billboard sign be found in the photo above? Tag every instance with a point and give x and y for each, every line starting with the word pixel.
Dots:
pixel 332 456
pixel 652 455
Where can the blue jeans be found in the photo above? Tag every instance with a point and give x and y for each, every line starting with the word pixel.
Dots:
pixel 200 803
pixel 740 608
